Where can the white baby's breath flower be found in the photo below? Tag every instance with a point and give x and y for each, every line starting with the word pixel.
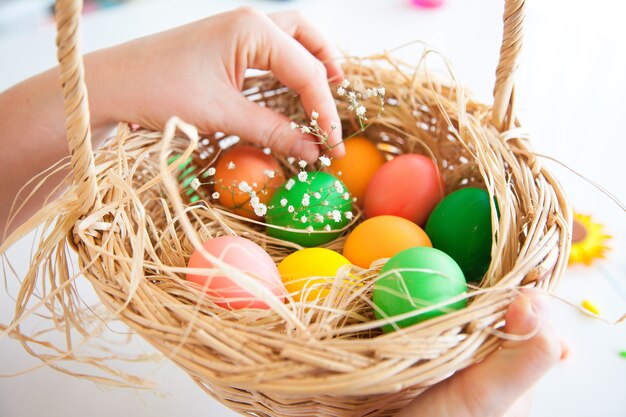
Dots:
pixel 231 165
pixel 369 92
pixel 346 196
pixel 345 83
pixel 333 126
pixel 305 129
pixel 338 187
pixel 254 201
pixel 313 122
pixel 336 215
pixel 325 161
pixel 267 151
pixel 303 219
pixel 270 174
pixel 339 173
pixel 290 209
pixel 260 210
pixel 244 187
pixel 348 215
pixel 319 218
pixel 327 228
pixel 324 203
pixel 290 160
pixel 195 184
pixel 314 115
pixel 360 111
pixel 317 195
pixel 210 171
pixel 381 91
pixel 215 195
pixel 302 176
pixel 254 185
pixel 293 125
pixel 306 200
pixel 309 229
pixel 283 202
pixel 341 91
pixel 302 163
pixel 290 183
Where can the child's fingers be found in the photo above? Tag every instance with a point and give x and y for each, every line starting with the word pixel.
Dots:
pixel 296 26
pixel 299 70
pixel 265 127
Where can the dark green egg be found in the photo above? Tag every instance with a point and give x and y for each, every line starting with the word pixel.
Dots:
pixel 460 225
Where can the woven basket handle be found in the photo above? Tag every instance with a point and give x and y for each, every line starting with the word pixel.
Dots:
pixel 76 106
pixel 512 39
pixel 75 103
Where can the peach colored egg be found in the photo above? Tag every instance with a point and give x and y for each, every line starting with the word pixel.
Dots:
pixel 357 168
pixel 382 237
pixel 408 186
pixel 244 255
pixel 241 166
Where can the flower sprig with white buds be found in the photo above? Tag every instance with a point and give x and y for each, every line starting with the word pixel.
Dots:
pixel 355 105
pixel 238 188
pixel 314 128
pixel 354 101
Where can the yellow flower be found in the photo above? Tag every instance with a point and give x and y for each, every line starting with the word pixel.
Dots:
pixel 588 240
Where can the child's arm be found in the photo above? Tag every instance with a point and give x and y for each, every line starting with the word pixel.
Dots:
pixel 194 72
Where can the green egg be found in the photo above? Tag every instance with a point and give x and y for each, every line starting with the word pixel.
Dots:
pixel 460 225
pixel 417 278
pixel 325 209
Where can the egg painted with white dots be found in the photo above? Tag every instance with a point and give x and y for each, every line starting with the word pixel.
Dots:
pixel 310 209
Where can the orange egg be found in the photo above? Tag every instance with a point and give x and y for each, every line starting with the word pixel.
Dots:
pixel 244 166
pixel 362 160
pixel 382 237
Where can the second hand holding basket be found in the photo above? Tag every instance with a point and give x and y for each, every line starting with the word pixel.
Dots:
pixel 133 235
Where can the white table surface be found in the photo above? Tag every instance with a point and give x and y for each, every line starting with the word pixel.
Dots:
pixel 571 92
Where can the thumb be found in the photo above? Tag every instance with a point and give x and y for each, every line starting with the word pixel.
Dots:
pixel 265 127
pixel 496 383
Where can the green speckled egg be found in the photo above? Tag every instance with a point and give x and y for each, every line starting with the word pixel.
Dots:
pixel 320 202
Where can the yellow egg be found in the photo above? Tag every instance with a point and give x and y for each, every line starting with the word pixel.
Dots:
pixel 357 168
pixel 310 271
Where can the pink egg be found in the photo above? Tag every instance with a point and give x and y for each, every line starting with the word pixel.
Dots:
pixel 408 186
pixel 244 255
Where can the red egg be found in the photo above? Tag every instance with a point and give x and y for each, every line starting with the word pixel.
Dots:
pixel 408 186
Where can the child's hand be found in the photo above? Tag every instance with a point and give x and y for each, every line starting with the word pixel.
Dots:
pixel 197 71
pixel 501 385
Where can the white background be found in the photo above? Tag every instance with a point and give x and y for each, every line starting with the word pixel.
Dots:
pixel 571 93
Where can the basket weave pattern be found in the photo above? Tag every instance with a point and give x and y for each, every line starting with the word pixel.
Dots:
pixel 134 234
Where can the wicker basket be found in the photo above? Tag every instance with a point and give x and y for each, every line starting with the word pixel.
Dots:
pixel 133 235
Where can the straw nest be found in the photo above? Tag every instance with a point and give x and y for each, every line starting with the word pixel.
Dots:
pixel 326 357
